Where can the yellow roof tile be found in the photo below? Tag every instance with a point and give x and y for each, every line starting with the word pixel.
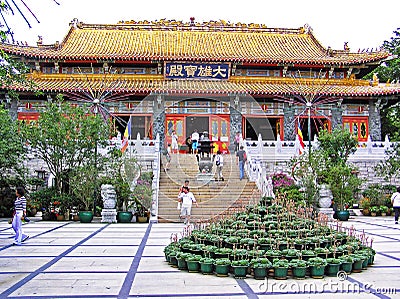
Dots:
pixel 145 84
pixel 212 41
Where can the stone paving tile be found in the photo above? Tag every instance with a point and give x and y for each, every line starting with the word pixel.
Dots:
pixel 73 260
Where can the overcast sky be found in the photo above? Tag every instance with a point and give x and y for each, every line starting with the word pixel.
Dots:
pixel 363 24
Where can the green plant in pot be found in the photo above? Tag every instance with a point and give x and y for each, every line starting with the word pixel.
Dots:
pixel 83 185
pixel 281 267
pixel 221 266
pixel 142 194
pixel 299 268
pixel 181 257
pixel 374 210
pixel 336 148
pixel 384 210
pixel 317 267
pixel 240 268
pixel 206 265
pixel 260 267
pixel 333 266
pixel 193 262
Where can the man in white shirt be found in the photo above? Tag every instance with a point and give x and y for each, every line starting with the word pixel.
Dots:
pixel 396 205
pixel 187 199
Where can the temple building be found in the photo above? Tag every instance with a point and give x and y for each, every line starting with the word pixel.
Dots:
pixel 215 76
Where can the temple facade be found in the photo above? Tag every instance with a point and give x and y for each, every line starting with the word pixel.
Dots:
pixel 218 77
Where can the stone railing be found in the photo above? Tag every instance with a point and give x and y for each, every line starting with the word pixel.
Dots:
pixel 267 157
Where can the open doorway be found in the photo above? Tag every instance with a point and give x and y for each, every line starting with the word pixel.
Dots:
pixel 260 125
pixel 199 123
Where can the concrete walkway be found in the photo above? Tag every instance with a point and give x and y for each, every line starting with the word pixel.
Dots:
pixel 74 260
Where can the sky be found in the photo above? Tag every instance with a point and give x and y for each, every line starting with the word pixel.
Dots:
pixel 363 24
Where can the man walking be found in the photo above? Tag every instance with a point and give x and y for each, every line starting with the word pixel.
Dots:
pixel 187 199
pixel 241 160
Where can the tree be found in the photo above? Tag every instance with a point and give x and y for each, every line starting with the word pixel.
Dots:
pixel 389 71
pixel 66 137
pixel 390 167
pixel 336 148
pixel 337 145
pixel 12 151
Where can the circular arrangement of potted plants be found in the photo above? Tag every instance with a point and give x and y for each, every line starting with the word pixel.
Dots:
pixel 273 238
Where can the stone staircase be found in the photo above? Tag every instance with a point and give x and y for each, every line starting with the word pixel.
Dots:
pixel 214 197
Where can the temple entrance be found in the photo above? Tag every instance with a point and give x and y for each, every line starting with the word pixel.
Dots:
pixel 199 123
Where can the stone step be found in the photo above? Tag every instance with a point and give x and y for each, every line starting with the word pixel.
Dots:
pixel 214 197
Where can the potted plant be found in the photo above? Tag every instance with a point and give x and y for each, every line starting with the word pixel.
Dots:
pixel 307 254
pixel 193 262
pixel 384 210
pixel 181 258
pixel 143 196
pixel 346 263
pixel 299 268
pixel 83 184
pixel 358 260
pixel 221 266
pixel 374 211
pixel 222 252
pixel 336 147
pixel 322 252
pixel 240 268
pixel 365 204
pixel 281 267
pixel 317 267
pixel 290 254
pixel 260 267
pixel 272 254
pixel 206 265
pixel 333 266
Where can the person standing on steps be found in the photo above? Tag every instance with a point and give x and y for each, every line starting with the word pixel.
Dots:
pixel 174 143
pixel 187 199
pixel 219 163
pixel 237 141
pixel 195 141
pixel 241 160
pixel 396 205
pixel 185 184
pixel 19 214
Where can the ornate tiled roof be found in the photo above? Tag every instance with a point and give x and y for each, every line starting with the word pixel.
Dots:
pixel 178 41
pixel 145 84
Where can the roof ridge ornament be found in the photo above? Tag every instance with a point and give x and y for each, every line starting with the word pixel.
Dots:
pixel 307 29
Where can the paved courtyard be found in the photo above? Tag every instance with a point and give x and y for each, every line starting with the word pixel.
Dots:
pixel 74 260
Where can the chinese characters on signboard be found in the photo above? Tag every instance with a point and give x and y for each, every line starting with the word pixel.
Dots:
pixel 175 70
